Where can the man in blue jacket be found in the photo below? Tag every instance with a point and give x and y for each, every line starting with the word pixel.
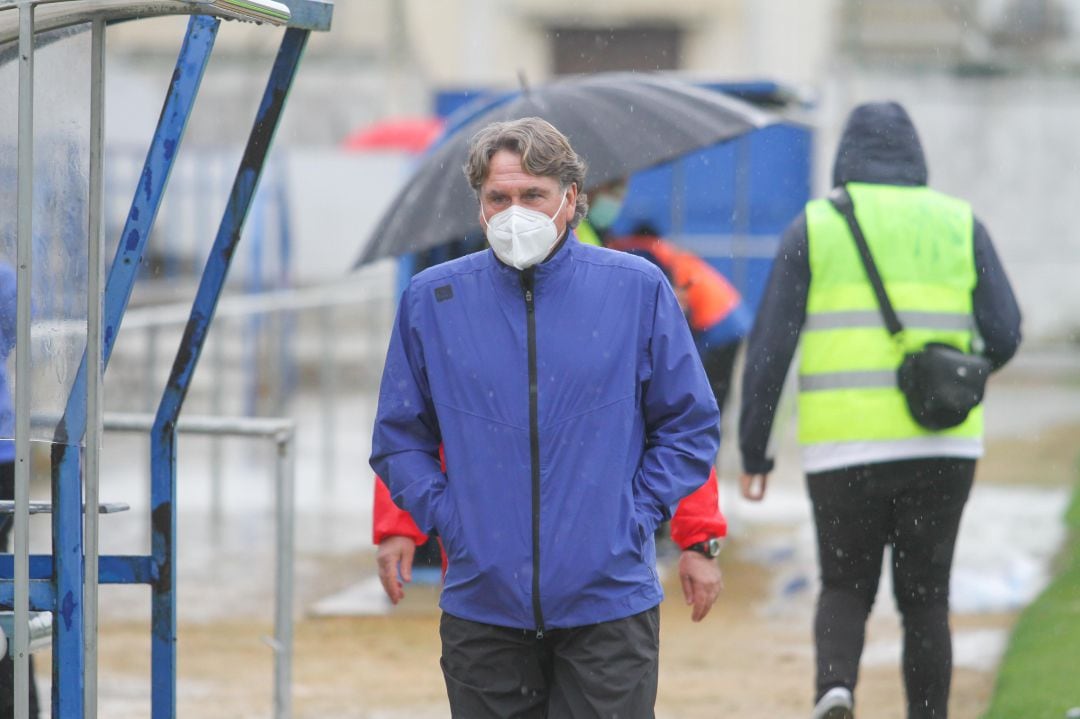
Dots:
pixel 565 387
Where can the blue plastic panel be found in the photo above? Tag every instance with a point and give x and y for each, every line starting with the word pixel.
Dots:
pixel 728 203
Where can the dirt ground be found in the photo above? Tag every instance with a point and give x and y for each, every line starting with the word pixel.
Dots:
pixel 746 659
pixel 741 661
pixel 738 662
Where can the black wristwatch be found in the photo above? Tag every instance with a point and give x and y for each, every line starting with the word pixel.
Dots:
pixel 710 547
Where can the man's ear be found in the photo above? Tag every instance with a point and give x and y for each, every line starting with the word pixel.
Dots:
pixel 571 203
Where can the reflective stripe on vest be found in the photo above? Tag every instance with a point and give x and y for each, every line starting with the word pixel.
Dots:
pixel 921 241
pixel 872 318
pixel 856 379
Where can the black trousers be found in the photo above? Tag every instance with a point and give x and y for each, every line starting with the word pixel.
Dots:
pixel 7 666
pixel 600 670
pixel 914 506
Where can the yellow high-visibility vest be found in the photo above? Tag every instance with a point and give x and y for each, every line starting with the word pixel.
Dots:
pixel 921 241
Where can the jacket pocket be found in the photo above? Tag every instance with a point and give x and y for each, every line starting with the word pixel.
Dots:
pixel 644 517
pixel 448 523
pixel 640 537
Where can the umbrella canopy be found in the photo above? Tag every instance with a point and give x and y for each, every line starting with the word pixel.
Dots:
pixel 619 122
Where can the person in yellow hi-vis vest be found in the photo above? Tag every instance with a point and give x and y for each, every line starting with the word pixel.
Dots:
pixel 875 476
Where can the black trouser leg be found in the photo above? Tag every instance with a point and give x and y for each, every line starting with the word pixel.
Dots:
pixel 927 522
pixel 7 665
pixel 606 670
pixel 601 670
pixel 915 506
pixel 852 519
pixel 493 672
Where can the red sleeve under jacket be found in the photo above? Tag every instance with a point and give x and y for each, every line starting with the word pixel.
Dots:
pixel 697 518
pixel 388 520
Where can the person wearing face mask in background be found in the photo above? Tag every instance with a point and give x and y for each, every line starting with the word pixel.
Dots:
pixel 605 204
pixel 563 384
pixel 719 321
pixel 717 315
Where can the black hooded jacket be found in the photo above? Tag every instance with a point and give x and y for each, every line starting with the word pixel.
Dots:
pixel 880 146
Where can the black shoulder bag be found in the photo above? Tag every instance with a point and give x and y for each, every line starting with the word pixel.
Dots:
pixel 941 383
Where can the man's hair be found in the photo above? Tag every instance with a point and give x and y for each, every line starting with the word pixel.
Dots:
pixel 544 152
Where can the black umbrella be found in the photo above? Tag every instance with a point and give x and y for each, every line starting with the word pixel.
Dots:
pixel 619 122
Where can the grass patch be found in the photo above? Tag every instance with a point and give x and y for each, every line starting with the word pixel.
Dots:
pixel 1040 674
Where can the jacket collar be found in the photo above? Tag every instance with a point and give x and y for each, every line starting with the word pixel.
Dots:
pixel 549 268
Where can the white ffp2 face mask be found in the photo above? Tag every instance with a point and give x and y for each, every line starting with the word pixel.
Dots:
pixel 521 237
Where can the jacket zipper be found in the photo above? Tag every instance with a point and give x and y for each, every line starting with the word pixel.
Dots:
pixel 528 285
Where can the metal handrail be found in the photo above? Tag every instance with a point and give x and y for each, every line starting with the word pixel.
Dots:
pixel 176 314
pixel 283 433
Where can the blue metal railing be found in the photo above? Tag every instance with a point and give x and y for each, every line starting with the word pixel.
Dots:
pixel 163 435
pixel 66 486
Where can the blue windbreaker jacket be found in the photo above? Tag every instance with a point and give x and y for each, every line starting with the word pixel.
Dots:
pixel 571 431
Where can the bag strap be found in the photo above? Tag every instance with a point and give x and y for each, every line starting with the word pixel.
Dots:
pixel 841 200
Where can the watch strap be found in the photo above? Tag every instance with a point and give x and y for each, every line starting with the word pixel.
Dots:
pixel 709 548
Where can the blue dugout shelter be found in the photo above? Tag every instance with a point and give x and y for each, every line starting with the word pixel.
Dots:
pixel 62 407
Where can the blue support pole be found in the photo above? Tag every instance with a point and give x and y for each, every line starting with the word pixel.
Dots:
pixel 163 434
pixel 190 66
pixel 67 521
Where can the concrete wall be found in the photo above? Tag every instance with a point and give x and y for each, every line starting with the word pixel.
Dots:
pixel 385 57
pixel 1009 145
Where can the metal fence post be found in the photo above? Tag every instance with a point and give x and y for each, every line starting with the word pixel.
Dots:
pixel 328 394
pixel 284 489
pixel 94 365
pixel 24 273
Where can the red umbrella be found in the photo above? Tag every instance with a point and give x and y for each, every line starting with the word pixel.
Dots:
pixel 409 134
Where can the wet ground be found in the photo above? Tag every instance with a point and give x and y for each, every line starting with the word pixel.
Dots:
pixel 751 657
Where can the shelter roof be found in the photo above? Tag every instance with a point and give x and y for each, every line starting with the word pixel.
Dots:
pixel 56 15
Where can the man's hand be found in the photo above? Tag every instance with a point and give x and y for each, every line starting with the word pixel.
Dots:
pixel 395 555
pixel 701 582
pixel 753 486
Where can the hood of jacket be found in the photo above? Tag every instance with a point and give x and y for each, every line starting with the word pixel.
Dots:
pixel 880 146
